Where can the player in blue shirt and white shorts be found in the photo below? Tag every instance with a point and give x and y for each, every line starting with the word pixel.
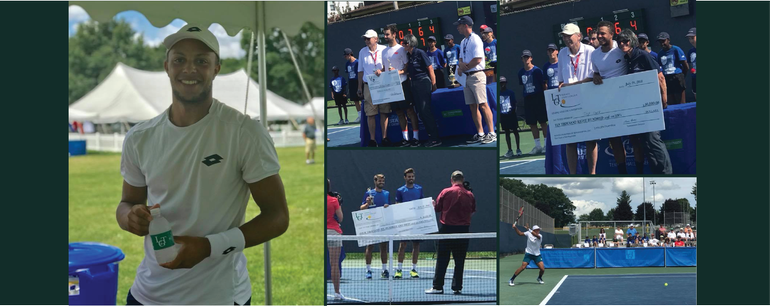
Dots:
pixel 409 192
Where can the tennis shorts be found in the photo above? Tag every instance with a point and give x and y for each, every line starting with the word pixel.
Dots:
pixel 475 90
pixel 339 99
pixel 371 109
pixel 408 101
pixel 534 109
pixel 353 90
pixel 509 121
pixel 529 257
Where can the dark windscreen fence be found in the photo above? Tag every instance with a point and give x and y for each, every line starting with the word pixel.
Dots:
pixel 475 276
pixel 352 172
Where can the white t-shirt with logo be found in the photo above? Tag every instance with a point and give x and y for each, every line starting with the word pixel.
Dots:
pixel 567 72
pixel 609 64
pixel 533 243
pixel 472 47
pixel 200 176
pixel 369 61
pixel 395 57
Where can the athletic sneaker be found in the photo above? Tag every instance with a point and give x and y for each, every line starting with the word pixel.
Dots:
pixel 434 291
pixel 542 150
pixel 414 143
pixel 369 274
pixel 489 138
pixel 414 274
pixel 476 139
pixel 535 150
pixel 457 291
pixel 347 122
pixel 386 142
pixel 433 143
pixel 384 274
pixel 510 282
pixel 358 119
pixel 540 280
pixel 341 122
pixel 508 154
pixel 338 297
pixel 404 143
pixel 398 274
pixel 518 152
pixel 372 143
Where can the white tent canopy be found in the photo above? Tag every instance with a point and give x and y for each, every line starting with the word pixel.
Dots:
pixel 320 107
pixel 134 95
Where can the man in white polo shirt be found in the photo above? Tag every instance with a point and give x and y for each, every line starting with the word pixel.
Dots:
pixel 471 63
pixel 199 160
pixel 575 67
pixel 370 62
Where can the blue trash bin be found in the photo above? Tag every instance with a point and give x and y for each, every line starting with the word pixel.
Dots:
pixel 93 273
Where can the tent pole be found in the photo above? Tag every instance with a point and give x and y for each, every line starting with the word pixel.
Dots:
pixel 299 73
pixel 248 73
pixel 262 71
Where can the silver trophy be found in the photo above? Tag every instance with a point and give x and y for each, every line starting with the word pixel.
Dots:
pixel 371 193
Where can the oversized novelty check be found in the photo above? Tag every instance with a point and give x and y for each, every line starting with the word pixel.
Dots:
pixel 385 88
pixel 407 218
pixel 623 105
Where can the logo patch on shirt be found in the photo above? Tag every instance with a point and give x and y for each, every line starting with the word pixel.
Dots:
pixel 230 249
pixel 618 61
pixel 212 160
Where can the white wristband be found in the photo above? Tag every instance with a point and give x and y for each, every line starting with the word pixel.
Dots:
pixel 227 242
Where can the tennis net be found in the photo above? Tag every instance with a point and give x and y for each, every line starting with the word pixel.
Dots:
pixel 408 284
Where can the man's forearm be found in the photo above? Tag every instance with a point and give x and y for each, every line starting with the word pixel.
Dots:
pixel 475 61
pixel 264 227
pixel 121 214
pixel 360 80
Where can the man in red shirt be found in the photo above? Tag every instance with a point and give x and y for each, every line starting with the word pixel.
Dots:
pixel 456 205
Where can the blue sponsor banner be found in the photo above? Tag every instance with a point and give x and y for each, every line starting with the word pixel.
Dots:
pixel 630 257
pixel 681 257
pixel 566 258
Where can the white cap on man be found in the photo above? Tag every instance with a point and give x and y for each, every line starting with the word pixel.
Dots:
pixel 535 227
pixel 570 29
pixel 193 31
pixel 369 34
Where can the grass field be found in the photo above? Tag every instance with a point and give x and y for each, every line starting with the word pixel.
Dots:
pixel 297 256
pixel 333 116
pixel 528 292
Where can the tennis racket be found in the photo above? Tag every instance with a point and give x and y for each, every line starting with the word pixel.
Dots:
pixel 521 212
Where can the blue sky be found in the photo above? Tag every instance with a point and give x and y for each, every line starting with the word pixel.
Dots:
pixel 588 193
pixel 229 47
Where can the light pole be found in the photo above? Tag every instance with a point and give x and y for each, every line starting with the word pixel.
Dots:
pixel 644 207
pixel 653 202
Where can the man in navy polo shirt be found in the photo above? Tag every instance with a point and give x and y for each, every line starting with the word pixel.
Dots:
pixel 551 67
pixel 451 53
pixel 508 118
pixel 531 77
pixel 373 198
pixel 674 63
pixel 691 56
pixel 409 192
pixel 639 60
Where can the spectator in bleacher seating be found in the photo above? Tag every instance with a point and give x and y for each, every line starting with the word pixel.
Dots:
pixel 618 235
pixel 587 241
pixel 671 237
pixel 631 235
pixel 595 241
pixel 679 243
pixel 661 232
pixel 602 236
pixel 654 242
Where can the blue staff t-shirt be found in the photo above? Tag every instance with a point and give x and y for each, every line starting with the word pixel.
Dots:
pixel 671 60
pixel 490 51
pixel 587 241
pixel 631 231
pixel 436 59
pixel 405 194
pixel 532 80
pixel 595 240
pixel 691 60
pixel 451 54
pixel 352 69
pixel 338 84
pixel 551 76
pixel 507 101
pixel 380 198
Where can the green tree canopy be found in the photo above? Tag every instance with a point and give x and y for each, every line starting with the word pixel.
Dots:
pixel 623 210
pixel 551 200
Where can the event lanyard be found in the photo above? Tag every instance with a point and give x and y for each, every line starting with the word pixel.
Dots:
pixel 575 63
pixel 374 58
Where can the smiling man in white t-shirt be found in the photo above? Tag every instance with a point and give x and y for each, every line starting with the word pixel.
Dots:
pixel 199 160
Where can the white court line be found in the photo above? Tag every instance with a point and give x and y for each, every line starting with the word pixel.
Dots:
pixel 547 298
pixel 520 163
pixel 341 130
pixel 347 298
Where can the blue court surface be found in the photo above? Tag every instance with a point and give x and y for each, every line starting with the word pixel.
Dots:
pixel 648 289
pixel 350 136
pixel 479 284
pixel 522 166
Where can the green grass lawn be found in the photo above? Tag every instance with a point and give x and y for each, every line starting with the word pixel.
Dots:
pixel 528 292
pixel 297 256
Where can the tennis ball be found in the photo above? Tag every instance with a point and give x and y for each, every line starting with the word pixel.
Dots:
pixel 666 284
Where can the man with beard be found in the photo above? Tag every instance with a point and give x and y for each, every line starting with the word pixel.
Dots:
pixel 576 68
pixel 409 192
pixel 674 63
pixel 395 58
pixel 652 145
pixel 171 159
pixel 373 198
pixel 371 63
pixel 451 53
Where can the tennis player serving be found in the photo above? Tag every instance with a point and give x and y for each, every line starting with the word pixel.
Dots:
pixel 532 252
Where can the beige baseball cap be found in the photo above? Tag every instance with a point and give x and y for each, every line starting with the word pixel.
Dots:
pixel 369 34
pixel 193 31
pixel 457 173
pixel 570 29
